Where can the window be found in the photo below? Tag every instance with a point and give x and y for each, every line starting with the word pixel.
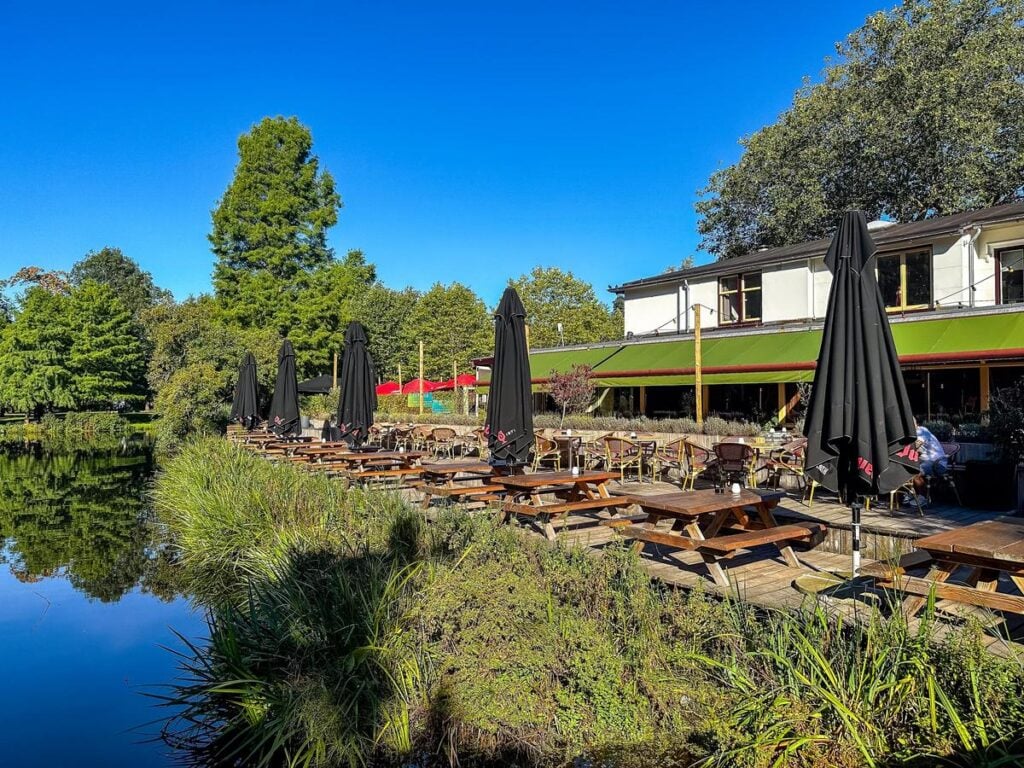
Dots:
pixel 739 298
pixel 1010 263
pixel 905 280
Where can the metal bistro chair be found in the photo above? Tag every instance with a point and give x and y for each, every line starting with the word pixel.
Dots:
pixel 623 454
pixel 698 461
pixel 948 478
pixel 791 458
pixel 546 450
pixel 671 456
pixel 737 461
pixel 420 437
pixel 400 437
pixel 442 441
pixel 593 452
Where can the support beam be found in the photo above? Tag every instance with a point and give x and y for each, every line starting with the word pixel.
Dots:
pixel 986 387
pixel 643 401
pixel 783 410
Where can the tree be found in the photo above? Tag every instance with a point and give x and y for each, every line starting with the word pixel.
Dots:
pixel 325 309
pixel 384 312
pixel 106 357
pixel 194 365
pixel 34 372
pixel 921 114
pixel 454 325
pixel 270 227
pixel 573 390
pixel 110 267
pixel 552 296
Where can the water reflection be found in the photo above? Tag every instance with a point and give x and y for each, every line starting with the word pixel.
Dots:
pixel 82 513
pixel 88 595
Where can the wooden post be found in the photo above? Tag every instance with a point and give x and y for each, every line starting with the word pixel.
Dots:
pixel 643 401
pixel 334 385
pixel 698 385
pixel 783 405
pixel 399 378
pixel 986 391
pixel 421 377
pixel 455 386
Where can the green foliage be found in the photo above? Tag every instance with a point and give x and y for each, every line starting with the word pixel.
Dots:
pixel 921 114
pixel 110 267
pixel 194 365
pixel 34 371
pixel 552 296
pixel 454 325
pixel 270 227
pixel 346 632
pixel 106 358
pixel 384 311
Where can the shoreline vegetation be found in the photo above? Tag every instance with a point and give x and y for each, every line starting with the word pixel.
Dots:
pixel 345 630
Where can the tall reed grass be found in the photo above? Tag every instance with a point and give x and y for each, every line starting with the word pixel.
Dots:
pixel 344 631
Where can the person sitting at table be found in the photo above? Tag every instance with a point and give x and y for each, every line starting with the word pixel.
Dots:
pixel 933 460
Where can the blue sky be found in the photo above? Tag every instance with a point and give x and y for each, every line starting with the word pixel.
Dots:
pixel 469 141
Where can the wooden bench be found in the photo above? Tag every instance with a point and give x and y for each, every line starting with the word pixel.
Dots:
pixel 568 506
pixel 923 587
pixel 724 545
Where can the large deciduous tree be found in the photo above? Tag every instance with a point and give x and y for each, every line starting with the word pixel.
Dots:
pixel 920 115
pixel 454 325
pixel 270 227
pixel 132 285
pixel 552 296
pixel 384 312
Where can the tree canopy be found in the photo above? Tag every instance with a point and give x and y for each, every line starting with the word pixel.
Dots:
pixel 132 285
pixel 270 227
pixel 454 325
pixel 552 296
pixel 384 312
pixel 921 114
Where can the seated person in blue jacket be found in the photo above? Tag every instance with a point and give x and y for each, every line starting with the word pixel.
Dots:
pixel 934 461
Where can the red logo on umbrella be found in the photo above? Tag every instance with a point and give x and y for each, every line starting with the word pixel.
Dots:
pixel 501 436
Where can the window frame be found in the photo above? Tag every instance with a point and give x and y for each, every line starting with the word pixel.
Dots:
pixel 902 256
pixel 740 293
pixel 999 272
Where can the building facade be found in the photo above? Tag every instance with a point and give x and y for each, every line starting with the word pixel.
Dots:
pixel 954 287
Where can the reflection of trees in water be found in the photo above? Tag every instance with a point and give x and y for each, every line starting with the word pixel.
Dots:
pixel 82 512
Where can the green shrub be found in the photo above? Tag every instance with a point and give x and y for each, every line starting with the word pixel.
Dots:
pixel 344 631
pixel 320 406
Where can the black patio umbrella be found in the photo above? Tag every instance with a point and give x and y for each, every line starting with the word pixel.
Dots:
pixel 358 387
pixel 860 428
pixel 245 406
pixel 283 418
pixel 509 426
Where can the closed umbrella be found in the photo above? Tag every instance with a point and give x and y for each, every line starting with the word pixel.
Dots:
pixel 283 418
pixel 358 393
pixel 509 426
pixel 860 428
pixel 245 406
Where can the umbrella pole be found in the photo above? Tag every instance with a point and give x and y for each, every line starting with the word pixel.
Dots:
pixel 856 509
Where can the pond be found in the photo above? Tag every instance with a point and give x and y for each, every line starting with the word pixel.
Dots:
pixel 87 606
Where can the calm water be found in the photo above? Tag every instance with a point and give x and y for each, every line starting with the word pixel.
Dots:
pixel 87 599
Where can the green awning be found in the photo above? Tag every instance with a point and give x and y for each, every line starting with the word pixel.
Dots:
pixel 782 356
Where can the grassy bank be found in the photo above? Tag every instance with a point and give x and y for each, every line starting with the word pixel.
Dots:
pixel 345 631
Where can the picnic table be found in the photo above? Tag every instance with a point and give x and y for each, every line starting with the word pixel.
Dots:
pixel 580 492
pixel 986 551
pixel 322 452
pixel 715 525
pixel 459 481
pixel 379 465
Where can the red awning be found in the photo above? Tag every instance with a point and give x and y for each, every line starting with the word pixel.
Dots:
pixel 388 388
pixel 412 387
pixel 463 380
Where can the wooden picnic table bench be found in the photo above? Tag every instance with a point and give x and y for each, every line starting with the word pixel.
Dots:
pixel 715 525
pixel 582 492
pixel 985 550
pixel 459 481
